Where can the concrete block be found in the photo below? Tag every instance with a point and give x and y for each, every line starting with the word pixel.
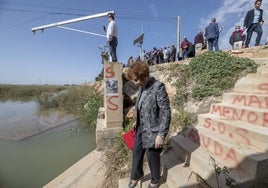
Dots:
pixel 87 172
pixel 113 97
pixel 243 160
pixel 255 116
pixel 180 176
pixel 201 162
pixel 258 76
pixel 263 64
pixel 263 69
pixel 250 87
pixel 260 61
pixel 248 100
pixel 105 137
pixel 236 132
pixel 169 159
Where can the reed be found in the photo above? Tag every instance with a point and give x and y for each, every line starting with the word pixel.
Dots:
pixel 81 100
pixel 27 92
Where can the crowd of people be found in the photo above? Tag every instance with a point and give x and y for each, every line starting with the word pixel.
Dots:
pixel 156 56
pixel 252 23
pixel 239 38
pixel 165 54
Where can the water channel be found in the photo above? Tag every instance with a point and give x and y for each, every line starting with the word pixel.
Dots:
pixel 36 146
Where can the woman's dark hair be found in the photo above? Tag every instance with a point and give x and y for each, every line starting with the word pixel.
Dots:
pixel 140 69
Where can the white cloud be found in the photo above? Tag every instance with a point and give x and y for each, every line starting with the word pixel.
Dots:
pixel 152 7
pixel 232 13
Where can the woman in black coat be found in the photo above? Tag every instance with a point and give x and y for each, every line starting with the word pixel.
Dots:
pixel 152 125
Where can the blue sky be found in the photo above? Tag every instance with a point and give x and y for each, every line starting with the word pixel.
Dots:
pixel 59 56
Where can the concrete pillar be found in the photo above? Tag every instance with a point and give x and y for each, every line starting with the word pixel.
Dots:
pixel 113 97
pixel 110 118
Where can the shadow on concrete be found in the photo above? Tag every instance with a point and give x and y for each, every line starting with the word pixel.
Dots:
pixel 178 152
pixel 244 175
pixel 252 172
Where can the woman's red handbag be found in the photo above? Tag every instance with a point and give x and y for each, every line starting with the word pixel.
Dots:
pixel 129 138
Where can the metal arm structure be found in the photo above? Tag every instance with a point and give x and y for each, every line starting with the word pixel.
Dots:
pixel 86 32
pixel 57 24
pixel 104 53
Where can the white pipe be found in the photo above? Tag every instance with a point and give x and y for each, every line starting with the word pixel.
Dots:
pixel 71 21
pixel 68 28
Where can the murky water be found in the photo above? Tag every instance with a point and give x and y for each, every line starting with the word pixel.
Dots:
pixel 33 150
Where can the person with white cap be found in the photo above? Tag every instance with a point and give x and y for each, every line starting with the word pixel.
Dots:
pixel 237 38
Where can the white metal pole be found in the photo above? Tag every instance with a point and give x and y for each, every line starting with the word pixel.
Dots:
pixel 178 36
pixel 71 21
pixel 72 29
pixel 141 53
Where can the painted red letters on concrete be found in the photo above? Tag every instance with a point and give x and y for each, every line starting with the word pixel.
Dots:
pixel 109 72
pixel 110 104
pixel 253 117
pixel 214 147
pixel 251 101
pixel 221 128
pixel 264 87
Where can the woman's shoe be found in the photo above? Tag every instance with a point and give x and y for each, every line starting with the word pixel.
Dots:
pixel 153 185
pixel 133 183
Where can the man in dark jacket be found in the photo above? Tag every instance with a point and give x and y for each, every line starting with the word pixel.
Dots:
pixel 173 53
pixel 253 22
pixel 199 42
pixel 185 46
pixel 212 34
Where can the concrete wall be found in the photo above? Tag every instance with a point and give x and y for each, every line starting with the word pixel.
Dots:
pixel 110 120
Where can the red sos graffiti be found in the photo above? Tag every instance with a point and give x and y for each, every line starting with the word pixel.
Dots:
pixel 109 72
pixel 111 102
pixel 263 87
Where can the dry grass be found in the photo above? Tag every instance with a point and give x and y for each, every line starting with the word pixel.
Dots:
pixel 118 166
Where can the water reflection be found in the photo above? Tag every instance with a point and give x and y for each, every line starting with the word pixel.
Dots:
pixel 22 120
pixel 33 150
